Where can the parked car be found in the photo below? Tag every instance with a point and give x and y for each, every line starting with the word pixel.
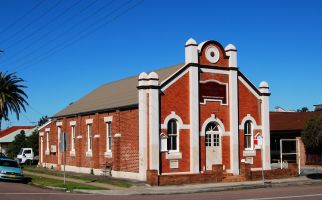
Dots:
pixel 2 155
pixel 10 170
pixel 27 156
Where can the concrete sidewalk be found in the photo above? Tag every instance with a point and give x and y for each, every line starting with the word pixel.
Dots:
pixel 74 180
pixel 209 187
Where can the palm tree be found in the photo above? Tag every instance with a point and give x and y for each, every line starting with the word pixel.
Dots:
pixel 12 96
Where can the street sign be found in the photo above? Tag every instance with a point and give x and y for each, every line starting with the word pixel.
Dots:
pixel 63 142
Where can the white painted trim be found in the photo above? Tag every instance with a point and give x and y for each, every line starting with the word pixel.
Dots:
pixel 178 173
pixel 89 154
pixel 174 80
pixel 233 122
pixel 108 119
pixel 129 175
pixel 216 100
pixel 59 123
pixel 44 125
pixel 47 129
pixel 173 115
pixel 72 123
pixel 41 134
pixel 96 136
pixel 248 117
pixel 212 118
pixel 79 137
pixel 108 154
pixel 72 153
pixel 143 145
pixel 255 169
pixel 47 152
pixel 249 152
pixel 214 71
pixel 117 135
pixel 89 121
pixel 173 156
pixel 248 87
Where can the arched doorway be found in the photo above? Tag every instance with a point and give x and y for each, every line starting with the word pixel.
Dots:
pixel 213 145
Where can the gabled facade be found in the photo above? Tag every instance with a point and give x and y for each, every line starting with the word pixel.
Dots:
pixel 184 119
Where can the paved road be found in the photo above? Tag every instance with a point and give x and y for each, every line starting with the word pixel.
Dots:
pixel 16 191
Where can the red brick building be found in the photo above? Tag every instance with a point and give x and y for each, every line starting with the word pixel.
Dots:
pixel 183 119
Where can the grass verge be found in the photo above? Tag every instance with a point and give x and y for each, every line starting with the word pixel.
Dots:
pixel 38 180
pixel 115 182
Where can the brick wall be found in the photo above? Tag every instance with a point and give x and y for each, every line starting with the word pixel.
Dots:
pixel 125 154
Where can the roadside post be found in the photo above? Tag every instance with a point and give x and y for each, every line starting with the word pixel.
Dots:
pixel 63 147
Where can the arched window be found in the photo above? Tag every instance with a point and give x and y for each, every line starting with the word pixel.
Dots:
pixel 248 134
pixel 172 135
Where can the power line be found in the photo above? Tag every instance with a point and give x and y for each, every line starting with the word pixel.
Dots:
pixel 65 11
pixel 32 22
pixel 71 28
pixel 22 17
pixel 56 50
pixel 49 32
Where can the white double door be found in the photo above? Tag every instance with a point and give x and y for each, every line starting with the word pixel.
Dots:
pixel 213 149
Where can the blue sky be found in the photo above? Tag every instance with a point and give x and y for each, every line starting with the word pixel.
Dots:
pixel 65 49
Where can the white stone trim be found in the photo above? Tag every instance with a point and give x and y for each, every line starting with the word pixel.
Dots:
pixel 108 154
pixel 89 154
pixel 47 152
pixel 255 169
pixel 89 121
pixel 248 87
pixel 72 123
pixel 143 156
pixel 108 119
pixel 174 80
pixel 178 173
pixel 265 132
pixel 214 71
pixel 41 134
pixel 59 123
pixel 233 122
pixel 248 117
pixel 97 136
pixel 173 115
pixel 173 156
pixel 79 137
pixel 72 153
pixel 49 165
pixel 47 129
pixel 129 175
pixel 212 118
pixel 216 100
pixel 117 135
pixel 194 118
pixel 248 153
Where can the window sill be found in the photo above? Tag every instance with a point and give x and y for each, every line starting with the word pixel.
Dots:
pixel 249 152
pixel 173 156
pixel 108 154
pixel 72 153
pixel 89 154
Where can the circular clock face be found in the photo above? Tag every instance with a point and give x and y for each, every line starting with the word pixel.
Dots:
pixel 212 54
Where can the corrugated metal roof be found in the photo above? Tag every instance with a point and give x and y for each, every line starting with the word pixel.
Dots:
pixel 113 95
pixel 10 137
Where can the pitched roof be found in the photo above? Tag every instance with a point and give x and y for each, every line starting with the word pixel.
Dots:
pixel 10 136
pixel 12 129
pixel 287 121
pixel 112 95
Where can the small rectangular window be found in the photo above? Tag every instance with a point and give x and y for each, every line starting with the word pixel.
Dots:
pixel 89 137
pixel 73 138
pixel 108 137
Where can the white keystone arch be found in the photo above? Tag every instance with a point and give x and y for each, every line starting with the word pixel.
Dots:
pixel 213 118
pixel 248 117
pixel 173 115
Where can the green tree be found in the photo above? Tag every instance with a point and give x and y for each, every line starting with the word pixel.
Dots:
pixel 303 109
pixel 18 143
pixel 312 135
pixel 12 96
pixel 42 120
pixel 32 142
